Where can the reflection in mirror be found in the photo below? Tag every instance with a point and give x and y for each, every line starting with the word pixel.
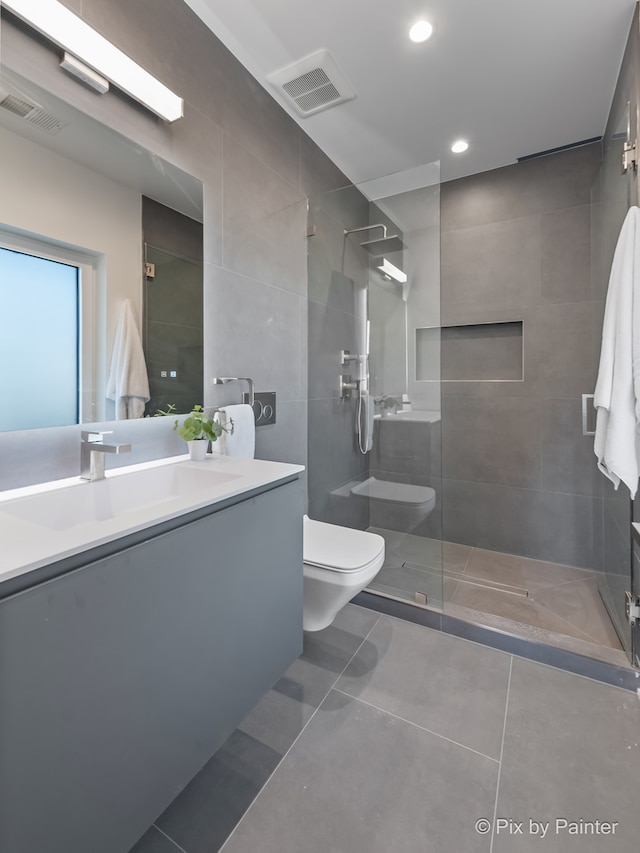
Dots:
pixel 77 188
pixel 173 310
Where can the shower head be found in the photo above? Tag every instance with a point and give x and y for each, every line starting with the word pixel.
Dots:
pixel 381 245
pixel 384 245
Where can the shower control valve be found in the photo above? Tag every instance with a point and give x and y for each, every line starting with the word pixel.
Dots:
pixel 346 357
pixel 346 386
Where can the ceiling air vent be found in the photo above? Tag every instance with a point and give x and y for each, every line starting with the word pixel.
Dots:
pixel 314 83
pixel 31 112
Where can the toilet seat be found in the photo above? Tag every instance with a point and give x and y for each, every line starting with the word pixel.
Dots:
pixel 340 549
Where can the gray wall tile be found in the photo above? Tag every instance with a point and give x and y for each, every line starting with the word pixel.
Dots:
pixel 334 460
pixel 337 268
pixel 494 265
pixel 318 173
pixel 533 187
pixel 212 80
pixel 491 441
pixel 403 451
pixel 557 528
pixel 566 456
pixel 264 222
pixel 566 255
pixel 561 350
pixel 253 329
pixel 330 332
pixel 528 228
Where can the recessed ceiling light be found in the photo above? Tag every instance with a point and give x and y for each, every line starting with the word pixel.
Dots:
pixel 459 146
pixel 420 31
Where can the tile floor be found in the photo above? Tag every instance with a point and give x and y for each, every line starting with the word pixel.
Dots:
pixel 387 736
pixel 514 593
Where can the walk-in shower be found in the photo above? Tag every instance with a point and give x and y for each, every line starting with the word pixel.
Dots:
pixel 445 405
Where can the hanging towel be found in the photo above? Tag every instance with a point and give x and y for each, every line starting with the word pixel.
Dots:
pixel 128 383
pixel 242 441
pixel 617 393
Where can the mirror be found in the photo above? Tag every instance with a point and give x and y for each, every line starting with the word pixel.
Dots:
pixel 78 186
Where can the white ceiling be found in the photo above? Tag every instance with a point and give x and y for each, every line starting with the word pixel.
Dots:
pixel 513 77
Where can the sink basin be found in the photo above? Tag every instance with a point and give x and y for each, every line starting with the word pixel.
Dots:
pixel 88 503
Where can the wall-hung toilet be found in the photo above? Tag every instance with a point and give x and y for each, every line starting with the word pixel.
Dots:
pixel 339 562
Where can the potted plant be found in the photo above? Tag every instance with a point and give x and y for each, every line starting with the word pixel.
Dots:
pixel 198 430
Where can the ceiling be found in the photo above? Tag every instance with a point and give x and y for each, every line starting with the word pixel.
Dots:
pixel 513 77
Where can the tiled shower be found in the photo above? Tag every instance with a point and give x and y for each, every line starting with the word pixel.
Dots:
pixel 494 341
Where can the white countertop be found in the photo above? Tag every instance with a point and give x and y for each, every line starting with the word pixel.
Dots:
pixel 27 544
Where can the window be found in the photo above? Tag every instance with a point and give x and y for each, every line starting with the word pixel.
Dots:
pixel 46 330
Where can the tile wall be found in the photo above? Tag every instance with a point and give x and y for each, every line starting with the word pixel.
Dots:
pixel 338 268
pixel 519 476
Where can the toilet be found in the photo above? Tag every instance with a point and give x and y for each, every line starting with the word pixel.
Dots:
pixel 339 562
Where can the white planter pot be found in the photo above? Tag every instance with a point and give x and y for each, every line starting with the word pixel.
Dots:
pixel 198 449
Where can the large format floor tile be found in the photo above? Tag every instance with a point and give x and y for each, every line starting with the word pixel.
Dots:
pixel 359 780
pixel 571 752
pixel 202 816
pixel 449 686
pixel 386 735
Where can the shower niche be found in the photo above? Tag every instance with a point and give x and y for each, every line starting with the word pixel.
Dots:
pixel 478 352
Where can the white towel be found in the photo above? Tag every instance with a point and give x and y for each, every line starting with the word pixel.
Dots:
pixel 242 441
pixel 128 383
pixel 617 394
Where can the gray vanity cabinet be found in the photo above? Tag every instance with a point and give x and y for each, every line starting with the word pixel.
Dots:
pixel 120 679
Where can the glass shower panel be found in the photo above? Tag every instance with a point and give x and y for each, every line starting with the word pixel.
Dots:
pixel 614 191
pixel 374 425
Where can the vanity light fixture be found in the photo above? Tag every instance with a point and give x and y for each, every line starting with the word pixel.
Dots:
pixel 87 75
pixel 387 268
pixel 460 146
pixel 420 31
pixel 70 32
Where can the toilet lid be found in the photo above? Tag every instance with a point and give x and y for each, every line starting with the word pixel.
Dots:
pixel 340 548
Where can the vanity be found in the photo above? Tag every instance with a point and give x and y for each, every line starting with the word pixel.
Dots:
pixel 141 617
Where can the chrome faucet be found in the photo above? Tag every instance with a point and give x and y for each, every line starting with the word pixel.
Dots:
pixel 92 451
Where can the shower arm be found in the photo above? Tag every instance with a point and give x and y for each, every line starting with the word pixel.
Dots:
pixel 367 228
